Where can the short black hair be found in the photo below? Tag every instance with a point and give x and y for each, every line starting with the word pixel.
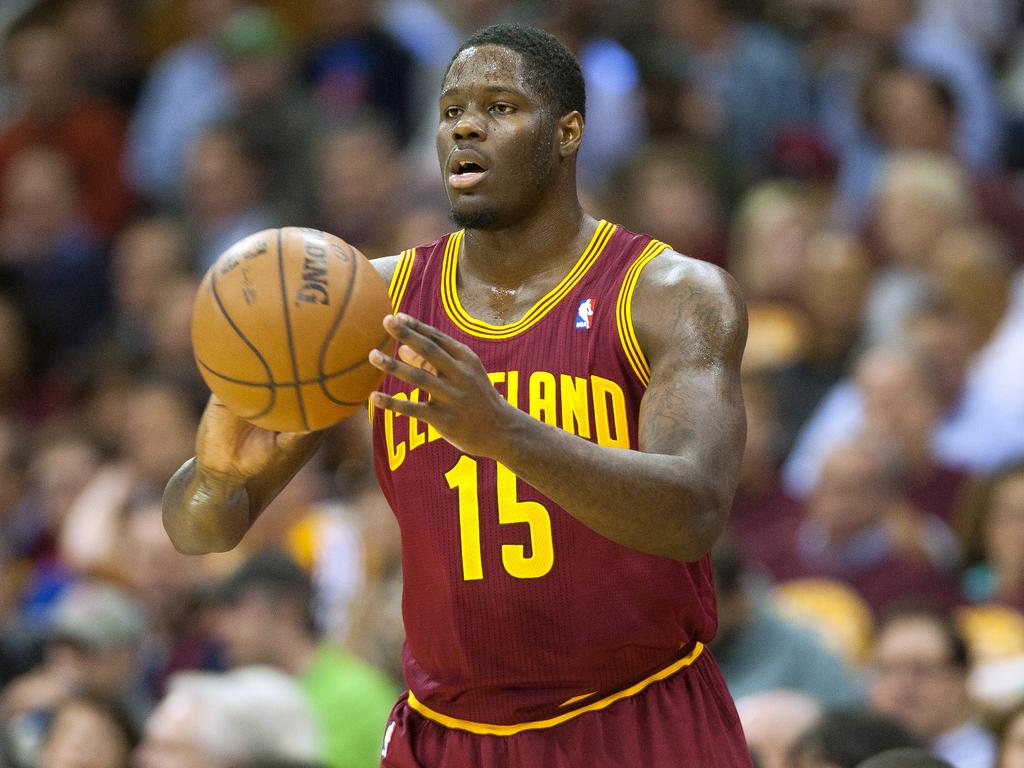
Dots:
pixel 275 576
pixel 549 65
pixel 904 757
pixel 847 737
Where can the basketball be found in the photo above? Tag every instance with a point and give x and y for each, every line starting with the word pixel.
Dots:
pixel 282 326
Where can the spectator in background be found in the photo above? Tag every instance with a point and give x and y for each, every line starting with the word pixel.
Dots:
pixel 89 731
pixel 358 67
pixel 105 48
pixel 973 330
pixel 759 651
pixel 266 617
pixel 225 185
pixel 919 669
pixel 270 109
pixel 904 757
pixel 185 93
pixel 773 723
pixel 993 526
pixel 845 738
pixel 667 189
pixel 910 110
pixel 731 63
pixel 155 438
pixel 830 291
pixel 920 197
pixel 95 636
pixel 875 27
pixel 221 721
pixel 849 535
pixel 170 587
pixel 56 113
pixel 903 401
pixel 51 251
pixel 363 184
pixel 147 256
pixel 768 240
pixel 63 462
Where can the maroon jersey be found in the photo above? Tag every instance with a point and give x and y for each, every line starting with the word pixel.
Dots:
pixel 514 611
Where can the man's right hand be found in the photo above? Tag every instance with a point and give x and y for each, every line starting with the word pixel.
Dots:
pixel 233 449
pixel 213 499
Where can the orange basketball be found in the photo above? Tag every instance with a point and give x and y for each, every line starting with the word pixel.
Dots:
pixel 282 325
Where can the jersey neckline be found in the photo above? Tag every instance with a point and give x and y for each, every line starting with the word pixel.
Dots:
pixel 471 325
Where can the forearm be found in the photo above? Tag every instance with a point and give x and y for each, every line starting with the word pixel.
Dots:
pixel 205 512
pixel 667 505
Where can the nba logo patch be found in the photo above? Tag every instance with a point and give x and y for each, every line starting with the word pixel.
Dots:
pixel 585 314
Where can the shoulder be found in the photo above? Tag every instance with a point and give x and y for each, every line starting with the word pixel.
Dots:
pixel 684 303
pixel 386 265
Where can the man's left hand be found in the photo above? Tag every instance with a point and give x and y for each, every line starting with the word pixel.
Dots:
pixel 460 401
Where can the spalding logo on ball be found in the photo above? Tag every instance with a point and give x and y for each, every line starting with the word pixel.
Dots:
pixel 282 326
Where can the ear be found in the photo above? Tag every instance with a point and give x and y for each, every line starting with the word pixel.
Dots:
pixel 570 133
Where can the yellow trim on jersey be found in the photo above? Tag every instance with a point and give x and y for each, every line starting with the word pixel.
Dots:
pixel 400 278
pixel 624 313
pixel 458 315
pixel 486 729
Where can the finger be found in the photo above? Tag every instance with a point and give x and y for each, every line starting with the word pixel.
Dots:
pixel 425 347
pixel 456 349
pixel 408 373
pixel 415 359
pixel 409 408
pixel 289 440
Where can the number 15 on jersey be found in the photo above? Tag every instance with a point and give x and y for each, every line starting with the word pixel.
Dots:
pixel 464 478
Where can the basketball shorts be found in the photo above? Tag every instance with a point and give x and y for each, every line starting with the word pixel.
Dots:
pixel 687 719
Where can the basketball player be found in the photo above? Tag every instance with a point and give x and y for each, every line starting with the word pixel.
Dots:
pixel 559 436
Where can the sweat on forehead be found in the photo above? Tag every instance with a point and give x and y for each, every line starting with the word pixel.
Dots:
pixel 490 63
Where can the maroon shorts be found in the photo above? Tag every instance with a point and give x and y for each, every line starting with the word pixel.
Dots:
pixel 685 720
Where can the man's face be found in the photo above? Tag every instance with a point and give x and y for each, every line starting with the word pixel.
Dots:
pixel 244 626
pixel 915 680
pixel 495 139
pixel 849 496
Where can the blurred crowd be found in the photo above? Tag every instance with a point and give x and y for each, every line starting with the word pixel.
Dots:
pixel 858 166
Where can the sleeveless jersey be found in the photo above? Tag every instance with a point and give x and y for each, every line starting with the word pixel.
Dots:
pixel 514 611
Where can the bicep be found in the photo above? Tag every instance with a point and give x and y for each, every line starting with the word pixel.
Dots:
pixel 691 323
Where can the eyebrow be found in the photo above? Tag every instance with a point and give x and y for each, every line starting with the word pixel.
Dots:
pixel 487 88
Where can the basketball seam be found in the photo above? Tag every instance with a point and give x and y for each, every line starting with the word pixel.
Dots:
pixel 243 383
pixel 288 329
pixel 300 383
pixel 270 374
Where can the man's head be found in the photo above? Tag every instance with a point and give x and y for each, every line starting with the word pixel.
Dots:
pixel 920 666
pixel 857 487
pixel 264 606
pixel 217 721
pixel 774 721
pixel 902 390
pixel 511 120
pixel 904 757
pixel 845 738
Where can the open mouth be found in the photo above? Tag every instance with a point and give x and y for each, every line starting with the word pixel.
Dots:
pixel 465 173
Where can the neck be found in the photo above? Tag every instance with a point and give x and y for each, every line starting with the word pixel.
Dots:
pixel 507 258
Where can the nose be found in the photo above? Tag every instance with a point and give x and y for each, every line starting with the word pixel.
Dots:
pixel 468 126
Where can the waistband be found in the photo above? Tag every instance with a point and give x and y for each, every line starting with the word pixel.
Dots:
pixel 488 729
